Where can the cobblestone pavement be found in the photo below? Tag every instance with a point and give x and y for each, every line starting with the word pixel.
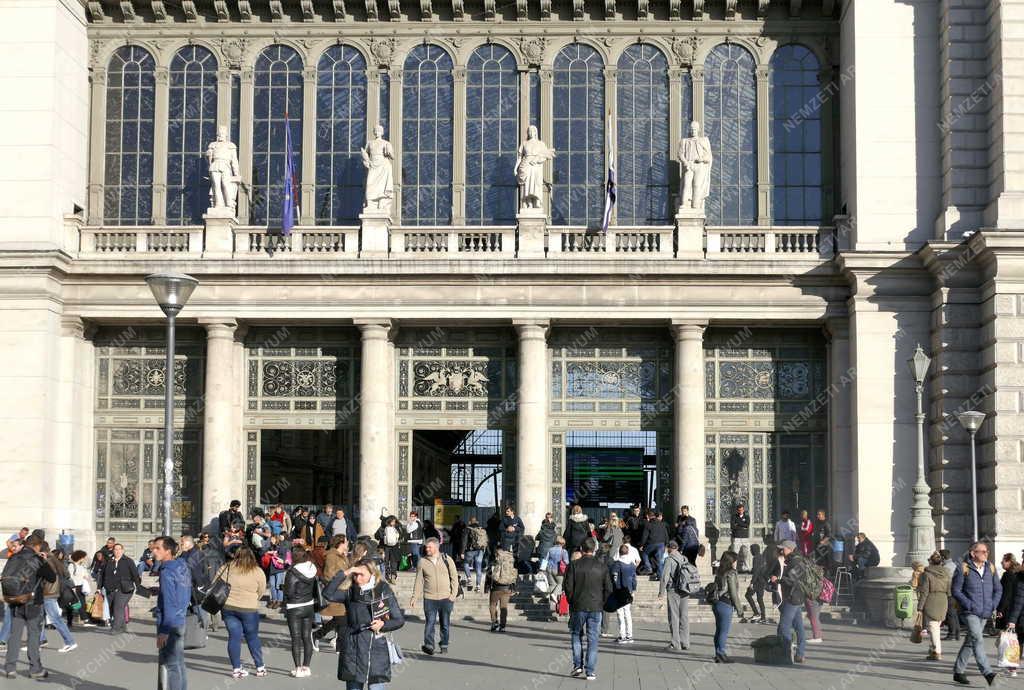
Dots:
pixel 527 657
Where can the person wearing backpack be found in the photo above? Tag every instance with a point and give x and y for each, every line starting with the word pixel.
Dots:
pixel 725 602
pixel 546 537
pixel 437 581
pixel 501 580
pixel 474 544
pixel 391 540
pixel 794 598
pixel 22 586
pixel 679 581
pixel 977 589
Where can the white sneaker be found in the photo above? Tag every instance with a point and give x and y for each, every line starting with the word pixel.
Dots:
pixel 815 640
pixel 68 648
pixel 306 672
pixel 239 673
pixel 296 672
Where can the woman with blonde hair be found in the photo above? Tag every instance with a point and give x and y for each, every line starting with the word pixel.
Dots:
pixel 241 610
pixel 336 560
pixel 371 611
pixel 933 586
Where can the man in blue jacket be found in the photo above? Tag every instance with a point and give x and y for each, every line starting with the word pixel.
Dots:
pixel 976 588
pixel 171 606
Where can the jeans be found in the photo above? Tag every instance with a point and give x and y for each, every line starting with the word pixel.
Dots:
pixel 952 619
pixel 171 660
pixel 300 629
pixel 5 631
pixel 679 619
pixel 415 553
pixel 52 609
pixel 657 550
pixel 28 619
pixel 792 618
pixel 474 561
pixel 432 610
pixel 241 623
pixel 723 621
pixel 274 586
pixel 974 644
pixel 585 623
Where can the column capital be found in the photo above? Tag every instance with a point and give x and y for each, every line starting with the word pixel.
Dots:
pixel 75 327
pixel 688 330
pixel 374 328
pixel 837 328
pixel 532 328
pixel 223 327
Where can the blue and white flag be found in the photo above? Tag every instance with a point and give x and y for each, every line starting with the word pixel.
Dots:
pixel 609 187
pixel 290 188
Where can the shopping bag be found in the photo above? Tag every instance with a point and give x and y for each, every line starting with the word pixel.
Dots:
pixel 404 563
pixel 395 654
pixel 917 634
pixel 540 583
pixel 195 635
pixel 1009 650
pixel 562 609
pixel 96 610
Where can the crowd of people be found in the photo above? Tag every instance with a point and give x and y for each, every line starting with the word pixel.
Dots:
pixel 334 587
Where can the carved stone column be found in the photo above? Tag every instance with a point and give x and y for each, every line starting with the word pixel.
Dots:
pixel 376 426
pixel 308 151
pixel 764 174
pixel 220 481
pixel 160 117
pixel 697 82
pixel 688 419
pixel 533 469
pixel 395 137
pixel 245 143
pixel 97 139
pixel 459 148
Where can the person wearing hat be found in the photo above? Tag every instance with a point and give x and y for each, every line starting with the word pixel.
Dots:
pixel 793 600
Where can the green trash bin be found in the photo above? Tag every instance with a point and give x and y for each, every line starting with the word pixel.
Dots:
pixel 905 602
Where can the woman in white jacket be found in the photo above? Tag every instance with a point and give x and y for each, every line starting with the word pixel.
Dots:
pixel 84 586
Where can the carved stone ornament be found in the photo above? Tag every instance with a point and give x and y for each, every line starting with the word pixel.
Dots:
pixel 685 48
pixel 383 51
pixel 234 50
pixel 533 49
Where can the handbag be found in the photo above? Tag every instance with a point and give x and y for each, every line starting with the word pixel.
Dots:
pixel 195 635
pixel 617 599
pixel 319 600
pixel 917 634
pixel 217 595
pixel 395 654
pixel 96 610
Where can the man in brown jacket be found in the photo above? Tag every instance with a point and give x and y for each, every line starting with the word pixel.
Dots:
pixel 438 581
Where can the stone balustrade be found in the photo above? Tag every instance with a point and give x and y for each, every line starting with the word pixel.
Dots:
pixel 562 242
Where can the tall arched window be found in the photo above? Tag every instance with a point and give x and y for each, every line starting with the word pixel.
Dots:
pixel 577 195
pixel 427 109
pixel 795 141
pixel 128 162
pixel 340 134
pixel 643 142
pixel 730 109
pixel 191 126
pixel 492 124
pixel 277 89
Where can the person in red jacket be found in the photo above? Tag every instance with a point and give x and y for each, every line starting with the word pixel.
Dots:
pixel 805 532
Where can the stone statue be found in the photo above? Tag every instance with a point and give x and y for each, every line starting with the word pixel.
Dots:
pixel 378 157
pixel 222 156
pixel 695 163
pixel 533 154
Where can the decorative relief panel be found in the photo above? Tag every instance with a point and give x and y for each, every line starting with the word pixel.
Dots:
pixel 303 370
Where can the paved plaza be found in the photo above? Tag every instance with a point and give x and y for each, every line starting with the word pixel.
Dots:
pixel 525 658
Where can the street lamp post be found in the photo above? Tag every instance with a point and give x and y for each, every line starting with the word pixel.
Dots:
pixel 171 291
pixel 972 421
pixel 922 526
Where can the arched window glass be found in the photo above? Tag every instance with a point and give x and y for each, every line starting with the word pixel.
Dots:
pixel 128 164
pixel 643 142
pixel 492 124
pixel 577 195
pixel 428 94
pixel 340 134
pixel 795 141
pixel 191 126
pixel 730 108
pixel 277 89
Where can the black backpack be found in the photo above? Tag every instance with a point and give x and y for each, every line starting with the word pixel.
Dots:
pixel 18 580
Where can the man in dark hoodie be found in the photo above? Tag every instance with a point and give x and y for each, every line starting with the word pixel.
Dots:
pixel 652 545
pixel 634 525
pixel 171 606
pixel 587 585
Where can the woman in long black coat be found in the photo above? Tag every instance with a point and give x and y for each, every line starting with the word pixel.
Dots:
pixel 372 609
